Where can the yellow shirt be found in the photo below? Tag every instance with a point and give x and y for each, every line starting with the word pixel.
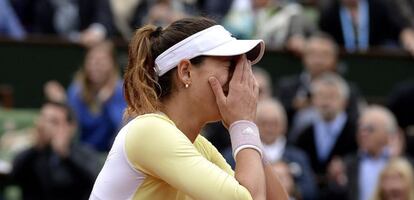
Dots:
pixel 165 165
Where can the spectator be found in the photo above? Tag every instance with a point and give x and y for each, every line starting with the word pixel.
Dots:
pixel 285 176
pixel 271 121
pixel 264 80
pixel 396 181
pixel 332 132
pixel 55 167
pixel 9 23
pixel 216 9
pixel 85 21
pixel 96 97
pixel 320 56
pixel 356 177
pixel 164 12
pixel 279 23
pixel 128 15
pixel 361 24
pixel 131 14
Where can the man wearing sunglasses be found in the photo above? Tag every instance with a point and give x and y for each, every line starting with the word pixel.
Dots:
pixel 357 176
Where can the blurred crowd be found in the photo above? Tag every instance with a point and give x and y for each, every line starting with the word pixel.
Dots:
pixel 356 25
pixel 322 137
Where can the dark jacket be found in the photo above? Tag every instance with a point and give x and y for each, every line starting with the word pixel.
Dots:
pixel 345 144
pixel 288 87
pixel 44 175
pixel 297 159
pixel 37 16
pixel 383 28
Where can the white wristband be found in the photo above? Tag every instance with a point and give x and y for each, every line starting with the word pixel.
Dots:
pixel 245 134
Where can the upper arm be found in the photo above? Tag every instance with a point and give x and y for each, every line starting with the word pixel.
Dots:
pixel 161 150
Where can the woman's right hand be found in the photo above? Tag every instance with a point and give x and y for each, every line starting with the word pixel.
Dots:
pixel 241 101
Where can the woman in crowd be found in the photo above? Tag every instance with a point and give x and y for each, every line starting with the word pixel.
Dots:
pixel 396 181
pixel 96 97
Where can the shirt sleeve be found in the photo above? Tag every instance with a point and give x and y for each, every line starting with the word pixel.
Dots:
pixel 156 147
pixel 214 155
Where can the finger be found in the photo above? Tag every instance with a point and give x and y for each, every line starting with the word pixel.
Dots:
pixel 256 88
pixel 256 85
pixel 249 72
pixel 238 71
pixel 225 124
pixel 217 90
pixel 245 74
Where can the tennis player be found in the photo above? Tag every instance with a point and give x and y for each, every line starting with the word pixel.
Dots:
pixel 177 80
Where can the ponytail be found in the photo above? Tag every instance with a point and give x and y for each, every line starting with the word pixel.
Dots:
pixel 140 76
pixel 143 89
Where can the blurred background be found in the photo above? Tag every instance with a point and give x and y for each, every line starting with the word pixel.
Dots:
pixel 336 110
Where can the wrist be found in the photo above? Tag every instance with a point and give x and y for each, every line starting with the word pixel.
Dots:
pixel 245 134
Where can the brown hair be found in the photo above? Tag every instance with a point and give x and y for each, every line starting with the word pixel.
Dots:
pixel 143 89
pixel 87 93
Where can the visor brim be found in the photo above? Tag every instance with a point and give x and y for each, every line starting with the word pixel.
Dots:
pixel 254 49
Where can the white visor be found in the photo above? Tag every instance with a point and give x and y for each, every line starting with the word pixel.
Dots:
pixel 213 41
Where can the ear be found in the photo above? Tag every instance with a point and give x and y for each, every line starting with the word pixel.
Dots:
pixel 184 72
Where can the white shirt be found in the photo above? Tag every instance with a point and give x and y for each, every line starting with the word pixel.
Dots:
pixel 273 152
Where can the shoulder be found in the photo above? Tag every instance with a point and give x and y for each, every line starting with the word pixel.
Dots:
pixel 74 87
pixel 350 126
pixel 306 134
pixel 150 121
pixel 119 87
pixel 292 150
pixel 294 153
pixel 151 137
pixel 74 90
pixel 118 93
pixel 25 156
pixel 151 127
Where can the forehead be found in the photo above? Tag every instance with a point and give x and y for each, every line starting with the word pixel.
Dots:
pixel 268 111
pixel 320 86
pixel 320 43
pixel 374 118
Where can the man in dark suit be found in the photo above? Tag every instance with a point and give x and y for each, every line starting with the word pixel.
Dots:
pixel 331 132
pixel 271 121
pixel 55 167
pixel 361 24
pixel 356 177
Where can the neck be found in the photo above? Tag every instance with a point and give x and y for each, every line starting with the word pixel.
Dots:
pixel 376 154
pixel 329 119
pixel 184 116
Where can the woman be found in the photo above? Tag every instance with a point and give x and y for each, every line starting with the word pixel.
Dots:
pixel 396 181
pixel 96 97
pixel 178 79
